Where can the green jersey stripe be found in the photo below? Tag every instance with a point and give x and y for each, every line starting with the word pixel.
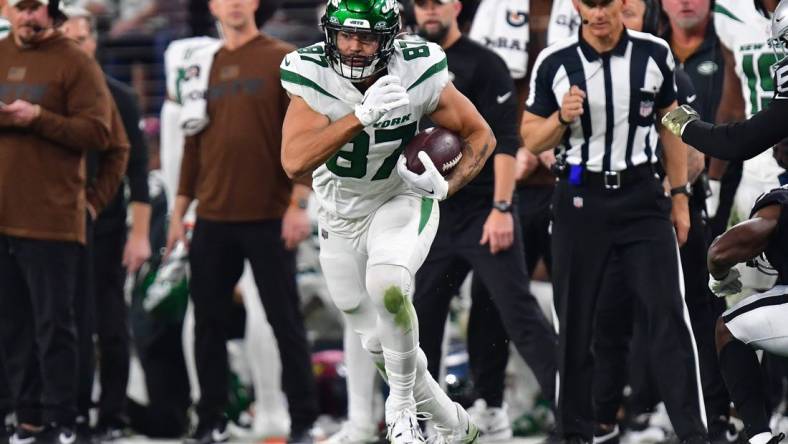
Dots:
pixel 722 10
pixel 426 211
pixel 298 79
pixel 434 69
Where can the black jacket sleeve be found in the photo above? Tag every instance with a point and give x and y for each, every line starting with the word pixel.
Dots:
pixel 740 140
pixel 137 169
pixel 685 90
pixel 497 102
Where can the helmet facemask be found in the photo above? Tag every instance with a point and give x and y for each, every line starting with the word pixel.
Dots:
pixel 358 67
pixel 368 20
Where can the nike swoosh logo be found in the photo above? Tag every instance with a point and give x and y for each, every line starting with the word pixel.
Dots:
pixel 220 436
pixel 426 190
pixel 778 20
pixel 503 98
pixel 692 98
pixel 17 440
pixel 287 61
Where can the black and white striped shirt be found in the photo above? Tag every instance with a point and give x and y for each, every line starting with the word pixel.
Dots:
pixel 623 87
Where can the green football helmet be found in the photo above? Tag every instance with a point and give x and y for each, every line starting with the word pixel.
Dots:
pixel 378 19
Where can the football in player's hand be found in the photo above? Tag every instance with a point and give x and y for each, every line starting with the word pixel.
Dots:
pixel 443 146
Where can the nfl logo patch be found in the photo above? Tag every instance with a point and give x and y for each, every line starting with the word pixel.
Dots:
pixel 577 201
pixel 646 108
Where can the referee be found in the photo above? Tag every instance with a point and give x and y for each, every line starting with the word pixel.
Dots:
pixel 608 201
pixel 479 229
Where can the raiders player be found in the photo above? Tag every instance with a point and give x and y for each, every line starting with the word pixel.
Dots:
pixel 757 322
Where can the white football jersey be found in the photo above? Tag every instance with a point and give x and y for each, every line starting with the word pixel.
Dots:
pixel 362 175
pixel 745 32
pixel 176 61
pixel 5 27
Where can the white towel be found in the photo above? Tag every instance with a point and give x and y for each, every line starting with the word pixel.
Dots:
pixel 191 62
pixel 171 149
pixel 564 21
pixel 502 25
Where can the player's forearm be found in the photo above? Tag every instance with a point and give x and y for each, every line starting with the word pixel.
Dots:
pixel 541 134
pixel 480 145
pixel 304 152
pixel 739 244
pixel 740 140
pixel 504 177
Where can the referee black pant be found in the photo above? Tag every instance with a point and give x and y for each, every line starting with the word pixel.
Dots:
pixel 216 257
pixel 615 316
pixel 590 224
pixel 454 253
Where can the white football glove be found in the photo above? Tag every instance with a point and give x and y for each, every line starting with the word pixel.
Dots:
pixel 713 201
pixel 430 183
pixel 730 285
pixel 676 120
pixel 384 95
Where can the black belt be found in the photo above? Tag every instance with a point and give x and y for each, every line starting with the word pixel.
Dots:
pixel 610 180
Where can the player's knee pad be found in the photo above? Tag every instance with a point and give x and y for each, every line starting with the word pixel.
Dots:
pixel 389 286
pixel 371 343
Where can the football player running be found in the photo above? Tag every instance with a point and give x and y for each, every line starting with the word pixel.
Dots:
pixel 356 100
pixel 743 140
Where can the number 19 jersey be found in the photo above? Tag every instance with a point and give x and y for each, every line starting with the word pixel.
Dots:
pixel 745 32
pixel 362 175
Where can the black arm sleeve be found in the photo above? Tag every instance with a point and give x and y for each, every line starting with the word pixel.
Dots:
pixel 137 168
pixel 497 102
pixel 740 140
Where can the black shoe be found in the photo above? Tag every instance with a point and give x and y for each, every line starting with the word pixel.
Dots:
pixel 695 440
pixel 552 437
pixel 301 436
pixel 58 434
pixel 109 433
pixel 20 435
pixel 607 436
pixel 575 439
pixel 721 431
pixel 215 432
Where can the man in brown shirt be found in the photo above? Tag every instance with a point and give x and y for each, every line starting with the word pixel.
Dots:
pixel 248 209
pixel 56 106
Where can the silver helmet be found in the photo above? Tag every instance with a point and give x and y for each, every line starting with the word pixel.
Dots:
pixel 779 34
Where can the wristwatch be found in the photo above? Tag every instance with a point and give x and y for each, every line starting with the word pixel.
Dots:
pixel 682 189
pixel 300 203
pixel 503 206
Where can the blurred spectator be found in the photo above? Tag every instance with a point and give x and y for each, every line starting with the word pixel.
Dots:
pixel 298 26
pixel 44 133
pixel 134 50
pixel 114 253
pixel 243 108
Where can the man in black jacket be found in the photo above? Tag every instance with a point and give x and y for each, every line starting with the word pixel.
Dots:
pixel 113 254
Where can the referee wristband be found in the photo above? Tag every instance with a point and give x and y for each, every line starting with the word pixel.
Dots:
pixel 561 119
